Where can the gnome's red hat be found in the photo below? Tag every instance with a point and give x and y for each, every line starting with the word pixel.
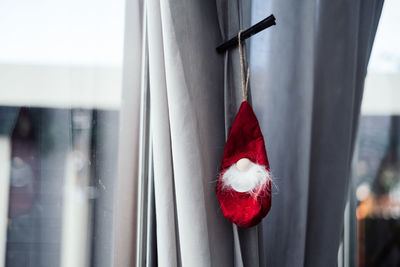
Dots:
pixel 245 140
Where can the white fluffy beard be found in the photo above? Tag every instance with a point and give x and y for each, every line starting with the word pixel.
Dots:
pixel 245 181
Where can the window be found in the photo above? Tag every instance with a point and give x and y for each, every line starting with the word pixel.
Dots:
pixel 377 162
pixel 60 82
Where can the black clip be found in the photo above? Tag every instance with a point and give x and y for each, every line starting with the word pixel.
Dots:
pixel 262 25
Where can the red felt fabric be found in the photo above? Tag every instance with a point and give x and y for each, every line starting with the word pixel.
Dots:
pixel 245 140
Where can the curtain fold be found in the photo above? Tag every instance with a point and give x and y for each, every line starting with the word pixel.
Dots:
pixel 306 77
pixel 282 87
pixel 125 201
pixel 165 205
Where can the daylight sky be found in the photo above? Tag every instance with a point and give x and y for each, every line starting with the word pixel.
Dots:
pixel 385 57
pixel 66 32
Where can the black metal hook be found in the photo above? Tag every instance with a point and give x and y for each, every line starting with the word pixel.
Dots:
pixel 262 25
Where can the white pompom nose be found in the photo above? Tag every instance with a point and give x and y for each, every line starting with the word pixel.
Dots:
pixel 243 164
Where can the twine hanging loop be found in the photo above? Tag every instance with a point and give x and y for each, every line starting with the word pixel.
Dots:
pixel 245 82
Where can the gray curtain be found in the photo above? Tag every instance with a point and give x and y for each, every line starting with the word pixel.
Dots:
pixel 180 98
pixel 307 88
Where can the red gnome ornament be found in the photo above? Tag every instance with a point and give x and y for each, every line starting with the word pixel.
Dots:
pixel 244 183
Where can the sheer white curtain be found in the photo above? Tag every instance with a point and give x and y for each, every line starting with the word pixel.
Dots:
pixel 180 97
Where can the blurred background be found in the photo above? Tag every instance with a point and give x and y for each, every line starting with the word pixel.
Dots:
pixel 376 175
pixel 60 87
